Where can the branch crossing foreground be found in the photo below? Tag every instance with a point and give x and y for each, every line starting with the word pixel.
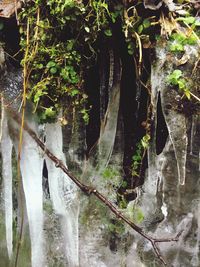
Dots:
pixel 90 190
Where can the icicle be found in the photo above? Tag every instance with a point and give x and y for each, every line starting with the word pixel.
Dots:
pixel 90 253
pixel 63 194
pixel 111 74
pixel 31 165
pixel 195 259
pixel 157 83
pixel 103 149
pixel 102 86
pixel 109 126
pixel 176 125
pixel 193 131
pixel 6 154
pixel 175 121
pixel 185 226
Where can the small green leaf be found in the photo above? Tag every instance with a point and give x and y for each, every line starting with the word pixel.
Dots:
pixel 174 77
pixel 192 40
pixel 87 29
pixel 51 64
pixel 181 83
pixel 140 29
pixel 108 32
pixel 40 66
pixel 187 94
pixel 176 47
pixel 74 92
pixel 146 23
pixel 49 112
pixel 64 74
pixel 138 215
pixel 189 20
pixel 53 70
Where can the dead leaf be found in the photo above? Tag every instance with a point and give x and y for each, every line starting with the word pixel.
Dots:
pixel 9 7
pixel 183 60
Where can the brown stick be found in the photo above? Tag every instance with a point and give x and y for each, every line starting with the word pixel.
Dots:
pixel 90 190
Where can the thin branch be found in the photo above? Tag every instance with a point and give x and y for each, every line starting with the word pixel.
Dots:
pixel 88 190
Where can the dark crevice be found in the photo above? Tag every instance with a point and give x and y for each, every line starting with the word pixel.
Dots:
pixel 92 82
pixel 45 182
pixel 161 129
pixel 10 36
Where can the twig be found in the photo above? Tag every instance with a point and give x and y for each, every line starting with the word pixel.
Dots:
pixel 22 121
pixel 88 190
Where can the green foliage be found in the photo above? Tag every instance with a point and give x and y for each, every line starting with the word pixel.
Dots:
pixel 61 36
pixel 112 177
pixel 138 156
pixel 176 78
pixel 190 20
pixel 109 173
pixel 135 213
pixel 179 40
pixel 60 40
pixel 116 227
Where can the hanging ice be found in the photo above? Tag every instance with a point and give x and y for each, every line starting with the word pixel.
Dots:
pixel 175 121
pixel 102 151
pixel 63 194
pixel 31 164
pixel 6 154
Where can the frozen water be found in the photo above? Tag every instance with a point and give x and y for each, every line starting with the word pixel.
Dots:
pixel 6 154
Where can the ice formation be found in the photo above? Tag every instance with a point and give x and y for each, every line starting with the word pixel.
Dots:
pixel 6 152
pixel 63 192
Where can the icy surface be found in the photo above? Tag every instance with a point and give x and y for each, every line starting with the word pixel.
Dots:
pixel 6 154
pixel 63 194
pixel 31 165
pixel 176 122
pixel 170 196
pixel 101 152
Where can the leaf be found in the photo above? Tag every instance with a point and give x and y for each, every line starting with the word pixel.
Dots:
pixel 65 74
pixel 53 70
pixel 178 37
pixel 87 29
pixel 177 73
pixel 38 95
pixel 146 23
pixel 51 64
pixel 188 20
pixel 138 215
pixel 49 112
pixel 70 45
pixel 108 32
pixel 187 94
pixel 176 47
pixel 140 29
pixel 181 84
pixel 192 40
pixel 174 76
pixel 74 92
